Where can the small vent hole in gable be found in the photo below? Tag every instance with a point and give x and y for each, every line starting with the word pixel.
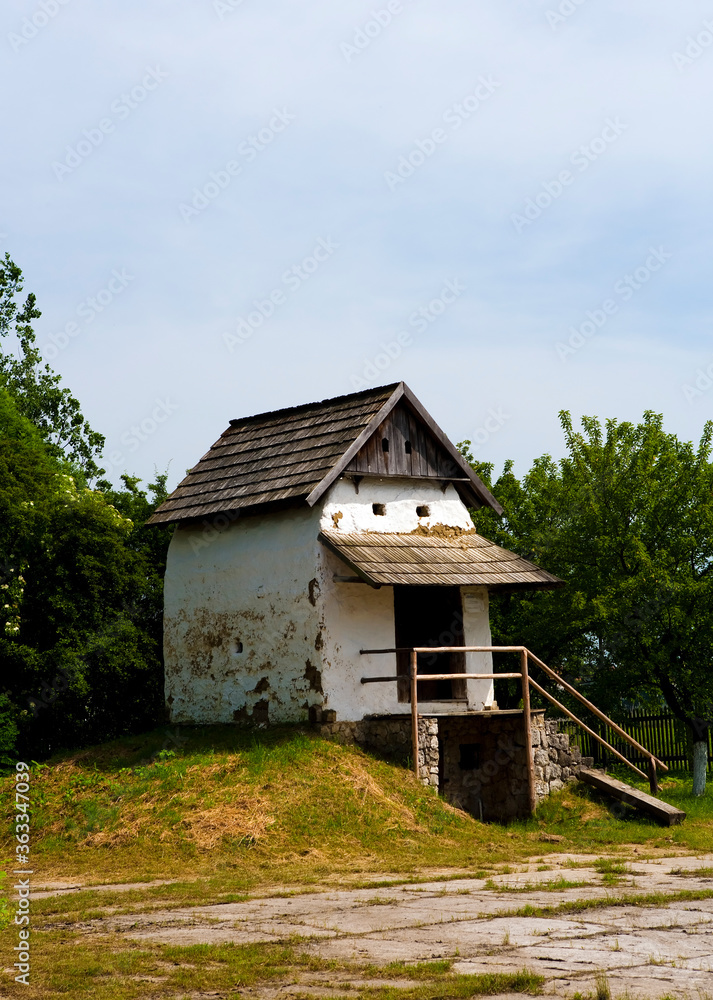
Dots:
pixel 407 447
pixel 423 511
pixel 384 444
pixel 237 647
pixel 379 508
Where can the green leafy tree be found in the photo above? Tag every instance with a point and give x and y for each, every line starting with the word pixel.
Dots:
pixel 81 578
pixel 626 519
pixel 36 388
pixel 80 623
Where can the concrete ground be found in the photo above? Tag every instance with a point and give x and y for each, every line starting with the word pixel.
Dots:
pixel 647 951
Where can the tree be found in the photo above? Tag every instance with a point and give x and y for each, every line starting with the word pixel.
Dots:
pixel 36 388
pixel 626 519
pixel 81 578
pixel 80 623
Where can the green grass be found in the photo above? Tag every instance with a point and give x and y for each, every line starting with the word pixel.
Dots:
pixel 551 885
pixel 628 899
pixel 234 808
pixel 114 968
pixel 478 984
pixel 230 813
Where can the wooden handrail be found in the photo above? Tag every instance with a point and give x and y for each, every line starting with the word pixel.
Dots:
pixel 527 682
pixel 447 677
pixel 586 728
pixel 593 708
pixel 446 649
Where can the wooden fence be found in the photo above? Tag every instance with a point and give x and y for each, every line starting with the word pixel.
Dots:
pixel 660 732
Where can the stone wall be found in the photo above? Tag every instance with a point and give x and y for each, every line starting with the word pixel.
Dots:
pixel 476 761
pixel 484 765
pixel 391 736
pixel 556 762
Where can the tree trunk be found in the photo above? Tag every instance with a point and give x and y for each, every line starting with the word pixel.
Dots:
pixel 700 766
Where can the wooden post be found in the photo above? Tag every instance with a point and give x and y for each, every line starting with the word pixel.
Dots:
pixel 653 780
pixel 414 713
pixel 528 731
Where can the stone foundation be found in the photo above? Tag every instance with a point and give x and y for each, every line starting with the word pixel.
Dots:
pixel 476 761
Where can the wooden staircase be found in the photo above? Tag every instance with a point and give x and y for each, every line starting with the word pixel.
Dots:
pixel 665 813
pixel 618 789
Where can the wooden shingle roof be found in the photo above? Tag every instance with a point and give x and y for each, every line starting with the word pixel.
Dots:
pixel 293 455
pixel 416 559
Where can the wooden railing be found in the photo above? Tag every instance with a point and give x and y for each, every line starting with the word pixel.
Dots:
pixel 527 682
pixel 657 729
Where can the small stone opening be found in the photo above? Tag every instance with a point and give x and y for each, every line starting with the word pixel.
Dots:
pixel 469 756
pixel 379 509
pixel 237 647
pixel 423 510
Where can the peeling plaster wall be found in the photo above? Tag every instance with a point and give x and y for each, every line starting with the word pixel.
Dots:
pixel 267 583
pixel 358 616
pixel 400 497
pixel 253 583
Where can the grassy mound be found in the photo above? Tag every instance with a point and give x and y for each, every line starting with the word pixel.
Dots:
pixel 205 800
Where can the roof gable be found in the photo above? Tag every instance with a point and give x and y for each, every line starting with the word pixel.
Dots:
pixel 295 454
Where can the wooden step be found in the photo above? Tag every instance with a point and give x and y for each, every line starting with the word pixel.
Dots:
pixel 625 793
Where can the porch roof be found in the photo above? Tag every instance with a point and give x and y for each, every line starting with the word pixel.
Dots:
pixel 422 559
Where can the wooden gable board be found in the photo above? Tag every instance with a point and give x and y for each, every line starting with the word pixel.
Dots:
pixel 295 454
pixel 433 454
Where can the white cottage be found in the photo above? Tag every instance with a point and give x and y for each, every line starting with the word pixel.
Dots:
pixel 308 534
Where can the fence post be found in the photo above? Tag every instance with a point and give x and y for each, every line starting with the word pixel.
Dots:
pixel 528 731
pixel 414 713
pixel 653 782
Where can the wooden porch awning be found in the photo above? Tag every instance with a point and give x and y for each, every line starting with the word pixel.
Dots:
pixel 418 559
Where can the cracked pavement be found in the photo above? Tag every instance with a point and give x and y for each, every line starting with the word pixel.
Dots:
pixel 648 951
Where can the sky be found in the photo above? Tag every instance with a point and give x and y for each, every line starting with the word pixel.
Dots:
pixel 230 206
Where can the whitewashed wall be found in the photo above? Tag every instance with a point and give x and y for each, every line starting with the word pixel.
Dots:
pixel 253 583
pixel 357 616
pixel 476 629
pixel 401 497
pixel 267 583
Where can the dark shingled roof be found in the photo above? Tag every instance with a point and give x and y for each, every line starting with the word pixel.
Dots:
pixel 464 559
pixel 295 454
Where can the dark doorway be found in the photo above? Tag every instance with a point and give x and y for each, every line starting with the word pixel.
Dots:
pixel 430 616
